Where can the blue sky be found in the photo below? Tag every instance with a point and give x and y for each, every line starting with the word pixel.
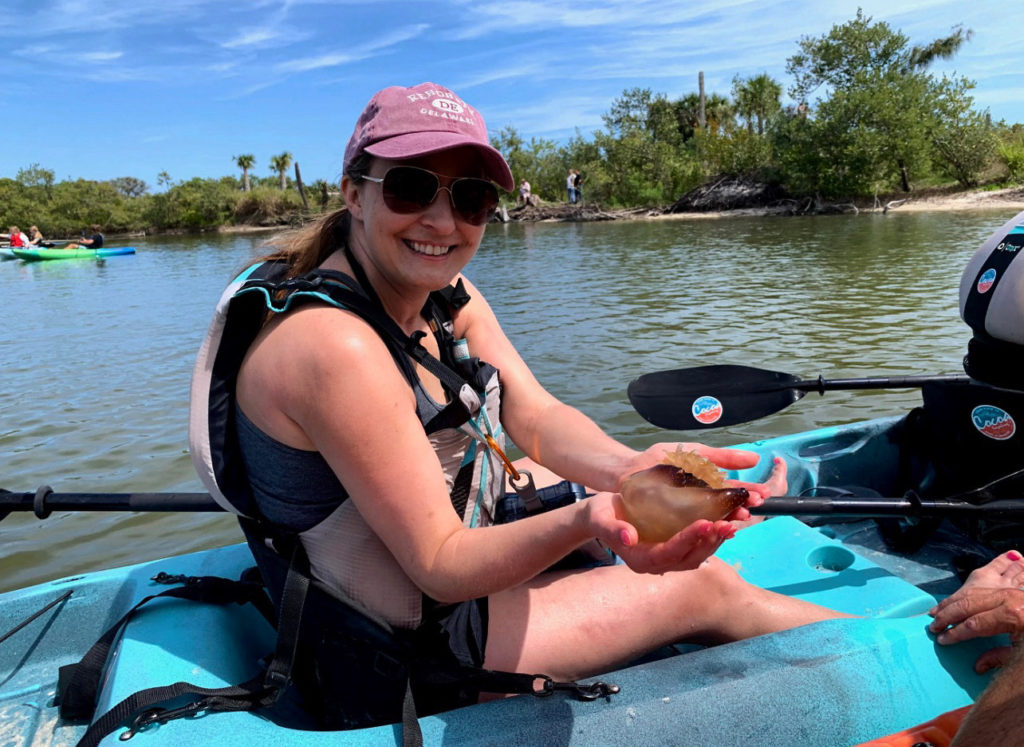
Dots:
pixel 107 88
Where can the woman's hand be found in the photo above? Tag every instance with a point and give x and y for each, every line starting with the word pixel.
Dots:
pixel 684 551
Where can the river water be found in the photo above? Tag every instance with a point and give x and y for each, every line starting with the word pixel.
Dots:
pixel 97 356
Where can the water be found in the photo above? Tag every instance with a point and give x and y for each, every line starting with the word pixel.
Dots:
pixel 97 356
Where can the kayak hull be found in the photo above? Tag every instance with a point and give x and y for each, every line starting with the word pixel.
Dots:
pixel 839 682
pixel 38 255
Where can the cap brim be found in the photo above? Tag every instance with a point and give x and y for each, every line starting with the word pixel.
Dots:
pixel 415 144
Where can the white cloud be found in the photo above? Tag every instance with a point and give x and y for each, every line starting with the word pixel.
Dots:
pixel 100 56
pixel 256 37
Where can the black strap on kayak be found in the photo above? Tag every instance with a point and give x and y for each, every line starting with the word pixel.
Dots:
pixel 78 684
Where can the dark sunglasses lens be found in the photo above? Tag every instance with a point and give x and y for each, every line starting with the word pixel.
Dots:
pixel 474 199
pixel 409 190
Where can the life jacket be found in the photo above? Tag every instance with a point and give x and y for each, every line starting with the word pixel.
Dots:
pixel 336 664
pixel 15 239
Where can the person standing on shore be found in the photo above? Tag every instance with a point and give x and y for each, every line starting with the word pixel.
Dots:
pixel 570 186
pixel 524 192
pixel 577 184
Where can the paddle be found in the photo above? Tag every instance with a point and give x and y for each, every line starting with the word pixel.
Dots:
pixel 1011 509
pixel 722 395
pixel 42 502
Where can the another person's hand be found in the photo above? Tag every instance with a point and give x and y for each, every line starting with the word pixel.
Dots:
pixel 979 612
pixel 684 551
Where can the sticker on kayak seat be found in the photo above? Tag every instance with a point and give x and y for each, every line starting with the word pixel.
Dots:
pixel 706 410
pixel 987 280
pixel 994 422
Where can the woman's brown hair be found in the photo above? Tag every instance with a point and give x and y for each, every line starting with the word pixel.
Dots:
pixel 306 248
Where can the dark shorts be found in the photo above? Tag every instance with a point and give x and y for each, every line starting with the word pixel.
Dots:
pixel 465 627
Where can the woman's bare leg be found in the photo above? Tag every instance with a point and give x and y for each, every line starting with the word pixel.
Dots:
pixel 577 624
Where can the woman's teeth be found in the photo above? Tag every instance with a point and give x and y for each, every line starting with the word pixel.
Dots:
pixel 430 249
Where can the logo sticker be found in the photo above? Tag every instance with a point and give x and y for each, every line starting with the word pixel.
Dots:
pixel 987 280
pixel 706 410
pixel 993 422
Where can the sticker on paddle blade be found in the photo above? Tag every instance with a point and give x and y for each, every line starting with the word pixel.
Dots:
pixel 993 422
pixel 987 280
pixel 706 410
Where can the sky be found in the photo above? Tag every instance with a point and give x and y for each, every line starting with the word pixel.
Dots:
pixel 100 89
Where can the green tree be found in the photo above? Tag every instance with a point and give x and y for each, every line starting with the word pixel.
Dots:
pixel 246 162
pixel 35 176
pixel 965 143
pixel 129 186
pixel 757 100
pixel 280 165
pixel 878 108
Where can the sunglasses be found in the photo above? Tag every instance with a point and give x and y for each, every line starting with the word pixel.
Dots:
pixel 408 189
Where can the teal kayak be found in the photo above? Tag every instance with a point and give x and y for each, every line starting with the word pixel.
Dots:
pixel 36 255
pixel 839 682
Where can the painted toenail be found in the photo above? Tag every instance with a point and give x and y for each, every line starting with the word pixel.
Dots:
pixel 1013 555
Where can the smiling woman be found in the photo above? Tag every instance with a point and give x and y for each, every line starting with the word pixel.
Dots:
pixel 362 427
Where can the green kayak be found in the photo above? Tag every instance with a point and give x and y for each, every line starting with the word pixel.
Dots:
pixel 35 255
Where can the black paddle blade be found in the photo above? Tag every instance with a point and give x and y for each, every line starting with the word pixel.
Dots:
pixel 711 396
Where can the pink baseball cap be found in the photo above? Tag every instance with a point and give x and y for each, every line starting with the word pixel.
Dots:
pixel 401 123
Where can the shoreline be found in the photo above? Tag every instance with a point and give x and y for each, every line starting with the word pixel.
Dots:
pixel 1010 198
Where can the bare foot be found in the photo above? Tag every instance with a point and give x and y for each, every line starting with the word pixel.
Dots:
pixel 1003 572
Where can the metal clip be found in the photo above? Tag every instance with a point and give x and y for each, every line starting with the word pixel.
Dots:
pixel 587 691
pixel 527 491
pixel 157 716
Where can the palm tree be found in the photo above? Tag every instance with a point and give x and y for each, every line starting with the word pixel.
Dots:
pixel 280 164
pixel 245 162
pixel 757 99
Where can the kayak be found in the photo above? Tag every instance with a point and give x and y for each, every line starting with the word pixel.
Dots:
pixel 838 682
pixel 6 253
pixel 35 255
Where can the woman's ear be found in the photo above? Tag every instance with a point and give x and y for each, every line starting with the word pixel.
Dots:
pixel 352 197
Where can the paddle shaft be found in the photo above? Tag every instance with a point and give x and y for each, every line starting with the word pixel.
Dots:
pixel 190 502
pixel 822 385
pixel 1010 509
pixel 942 508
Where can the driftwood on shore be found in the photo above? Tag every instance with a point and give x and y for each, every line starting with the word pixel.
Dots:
pixel 561 212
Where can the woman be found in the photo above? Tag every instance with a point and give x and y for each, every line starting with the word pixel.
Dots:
pixel 319 390
pixel 35 237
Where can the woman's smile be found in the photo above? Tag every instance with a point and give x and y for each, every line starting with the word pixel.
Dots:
pixel 434 250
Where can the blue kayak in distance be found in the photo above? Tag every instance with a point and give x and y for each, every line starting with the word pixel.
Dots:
pixel 838 682
pixel 38 255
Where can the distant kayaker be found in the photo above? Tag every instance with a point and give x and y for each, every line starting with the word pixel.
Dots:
pixel 389 475
pixel 94 241
pixel 17 237
pixel 35 237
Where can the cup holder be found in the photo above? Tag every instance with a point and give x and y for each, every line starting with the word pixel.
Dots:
pixel 830 559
